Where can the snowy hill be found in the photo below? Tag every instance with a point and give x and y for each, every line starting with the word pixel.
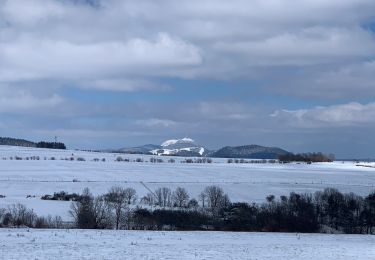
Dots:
pixel 174 147
pixel 249 151
pixel 175 143
pixel 144 149
pixel 16 142
pixel 187 147
pixel 180 147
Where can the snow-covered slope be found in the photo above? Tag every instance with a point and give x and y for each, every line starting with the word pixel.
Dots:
pixel 186 147
pixel 243 182
pixel 115 244
pixel 176 142
pixel 180 147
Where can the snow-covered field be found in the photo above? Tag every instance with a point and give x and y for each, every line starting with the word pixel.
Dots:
pixel 243 182
pixel 91 244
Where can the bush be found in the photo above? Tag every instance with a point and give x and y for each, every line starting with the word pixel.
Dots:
pixel 64 196
pixel 163 219
pixel 306 157
pixel 119 159
pixel 19 215
pixel 51 145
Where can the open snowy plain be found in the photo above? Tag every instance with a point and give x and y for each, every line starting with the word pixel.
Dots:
pixel 92 244
pixel 243 182
pixel 25 181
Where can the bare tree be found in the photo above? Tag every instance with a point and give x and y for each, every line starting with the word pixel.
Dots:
pixel 163 196
pixel 130 195
pixel 117 200
pixel 148 199
pixel 180 197
pixel 83 211
pixel 88 212
pixel 193 204
pixel 2 214
pixel 203 198
pixel 215 197
pixel 103 213
pixel 225 202
pixel 20 215
pixel 54 222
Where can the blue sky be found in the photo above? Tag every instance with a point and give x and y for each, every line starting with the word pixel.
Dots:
pixel 118 73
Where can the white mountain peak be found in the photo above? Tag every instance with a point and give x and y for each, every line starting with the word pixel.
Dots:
pixel 185 146
pixel 169 142
pixel 176 141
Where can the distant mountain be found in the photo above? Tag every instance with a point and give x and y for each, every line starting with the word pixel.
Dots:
pixel 180 147
pixel 145 149
pixel 187 147
pixel 249 152
pixel 16 142
pixel 175 147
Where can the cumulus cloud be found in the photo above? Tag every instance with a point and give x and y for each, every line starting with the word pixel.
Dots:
pixel 48 59
pixel 97 40
pixel 56 54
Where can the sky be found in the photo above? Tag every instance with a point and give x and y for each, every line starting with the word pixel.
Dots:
pixel 99 74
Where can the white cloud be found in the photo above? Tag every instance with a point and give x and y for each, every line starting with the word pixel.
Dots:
pixel 309 46
pixel 29 12
pixel 23 102
pixel 232 111
pixel 356 79
pixel 156 122
pixel 48 59
pixel 347 80
pixel 350 114
pixel 125 85
pixel 63 40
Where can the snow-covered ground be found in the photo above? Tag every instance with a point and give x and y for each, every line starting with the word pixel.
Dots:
pixel 243 182
pixel 91 244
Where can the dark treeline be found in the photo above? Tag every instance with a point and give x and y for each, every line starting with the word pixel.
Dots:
pixel 16 142
pixel 25 143
pixel 327 211
pixel 306 157
pixel 51 145
pixel 323 211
